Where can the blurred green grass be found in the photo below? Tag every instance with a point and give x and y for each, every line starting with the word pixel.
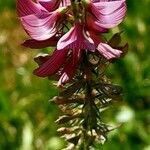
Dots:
pixel 26 116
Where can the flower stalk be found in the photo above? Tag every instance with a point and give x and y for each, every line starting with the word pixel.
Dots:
pixel 74 28
pixel 83 101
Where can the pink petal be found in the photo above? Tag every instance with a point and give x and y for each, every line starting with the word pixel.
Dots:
pixel 70 67
pixel 96 38
pixel 50 5
pixel 108 52
pixel 28 7
pixel 68 72
pixel 41 26
pixel 92 24
pixel 52 65
pixel 76 38
pixel 31 43
pixel 109 13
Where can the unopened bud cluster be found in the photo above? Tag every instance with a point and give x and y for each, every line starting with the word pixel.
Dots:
pixel 83 100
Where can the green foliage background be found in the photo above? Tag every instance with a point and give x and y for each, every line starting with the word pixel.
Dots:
pixel 26 116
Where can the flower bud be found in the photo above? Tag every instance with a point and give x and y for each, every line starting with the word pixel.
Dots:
pixel 64 130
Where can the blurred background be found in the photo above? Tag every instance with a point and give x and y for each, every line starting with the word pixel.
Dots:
pixel 26 116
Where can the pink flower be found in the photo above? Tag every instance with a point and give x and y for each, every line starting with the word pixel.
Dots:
pixel 105 49
pixel 51 64
pixel 108 52
pixel 76 38
pixel 68 54
pixel 105 14
pixel 38 22
pixel 31 43
pixel 44 21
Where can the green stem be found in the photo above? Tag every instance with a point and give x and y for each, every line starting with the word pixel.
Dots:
pixel 88 106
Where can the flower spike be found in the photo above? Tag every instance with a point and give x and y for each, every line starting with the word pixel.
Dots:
pixel 75 29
